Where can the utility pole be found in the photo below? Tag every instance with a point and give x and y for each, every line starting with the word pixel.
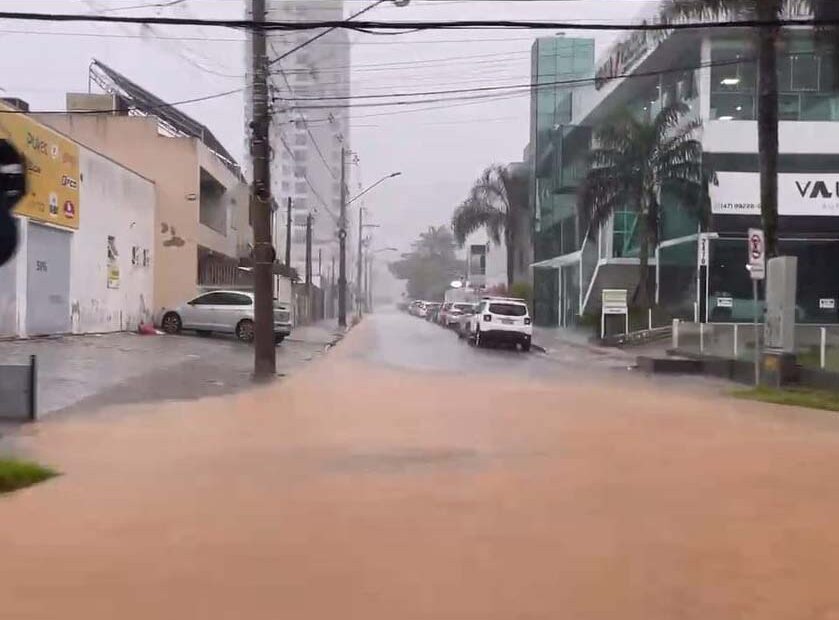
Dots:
pixel 265 361
pixel 360 262
pixel 308 252
pixel 320 266
pixel 342 241
pixel 288 234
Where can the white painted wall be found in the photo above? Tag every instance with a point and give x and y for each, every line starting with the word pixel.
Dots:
pixel 114 201
pixel 496 257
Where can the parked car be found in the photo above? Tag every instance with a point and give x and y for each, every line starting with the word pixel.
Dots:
pixel 463 324
pixel 432 309
pixel 420 309
pixel 227 312
pixel 501 319
pixel 455 311
pixel 444 311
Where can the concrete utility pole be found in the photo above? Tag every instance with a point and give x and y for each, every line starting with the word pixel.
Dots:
pixel 342 241
pixel 308 252
pixel 288 234
pixel 360 262
pixel 265 361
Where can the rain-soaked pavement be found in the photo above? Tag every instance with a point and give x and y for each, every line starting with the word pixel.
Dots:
pixel 81 373
pixel 407 475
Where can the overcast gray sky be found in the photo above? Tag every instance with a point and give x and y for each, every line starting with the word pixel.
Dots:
pixel 439 149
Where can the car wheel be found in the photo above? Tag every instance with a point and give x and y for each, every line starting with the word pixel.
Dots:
pixel 278 339
pixel 525 346
pixel 245 331
pixel 171 323
pixel 479 342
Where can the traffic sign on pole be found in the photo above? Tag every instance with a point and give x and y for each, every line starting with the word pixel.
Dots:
pixel 757 254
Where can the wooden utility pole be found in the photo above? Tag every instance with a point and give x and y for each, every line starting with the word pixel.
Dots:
pixel 288 234
pixel 342 242
pixel 265 362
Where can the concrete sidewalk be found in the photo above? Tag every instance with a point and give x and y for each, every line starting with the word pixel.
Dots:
pixel 557 341
pixel 92 371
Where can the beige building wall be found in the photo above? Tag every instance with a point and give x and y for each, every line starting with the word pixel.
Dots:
pixel 174 163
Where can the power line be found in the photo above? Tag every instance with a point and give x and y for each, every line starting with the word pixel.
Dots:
pixel 322 34
pixel 378 27
pixel 529 86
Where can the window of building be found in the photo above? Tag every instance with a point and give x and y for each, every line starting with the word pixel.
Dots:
pixel 300 188
pixel 285 186
pixel 300 171
pixel 301 202
pixel 300 139
pixel 286 170
pixel 300 125
pixel 300 155
pixel 807 87
pixel 300 219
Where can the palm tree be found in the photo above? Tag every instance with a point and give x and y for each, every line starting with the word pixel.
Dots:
pixel 767 39
pixel 496 202
pixel 632 162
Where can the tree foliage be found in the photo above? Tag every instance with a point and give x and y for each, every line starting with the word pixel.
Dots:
pixel 632 163
pixel 495 202
pixel 430 266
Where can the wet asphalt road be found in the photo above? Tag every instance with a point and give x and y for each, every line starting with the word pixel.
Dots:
pixel 407 475
pixel 401 341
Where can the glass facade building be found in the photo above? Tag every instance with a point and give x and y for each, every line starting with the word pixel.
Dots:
pixel 556 64
pixel 715 74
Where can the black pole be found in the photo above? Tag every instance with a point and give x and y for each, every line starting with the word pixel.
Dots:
pixel 309 251
pixel 342 241
pixel 288 234
pixel 265 361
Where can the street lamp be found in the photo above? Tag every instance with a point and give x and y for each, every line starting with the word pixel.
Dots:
pixel 376 184
pixel 342 236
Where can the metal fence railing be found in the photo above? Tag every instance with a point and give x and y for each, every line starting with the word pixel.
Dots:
pixel 817 346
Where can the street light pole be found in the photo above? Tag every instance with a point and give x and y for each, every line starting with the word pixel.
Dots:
pixel 265 361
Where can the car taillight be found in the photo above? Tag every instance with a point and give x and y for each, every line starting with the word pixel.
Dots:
pixel 527 321
pixel 487 318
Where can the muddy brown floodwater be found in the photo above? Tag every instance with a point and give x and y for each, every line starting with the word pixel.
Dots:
pixel 359 491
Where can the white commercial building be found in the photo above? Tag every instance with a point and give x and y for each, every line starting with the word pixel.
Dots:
pixel 86 253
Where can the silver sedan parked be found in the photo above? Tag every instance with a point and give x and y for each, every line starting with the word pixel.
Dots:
pixel 228 312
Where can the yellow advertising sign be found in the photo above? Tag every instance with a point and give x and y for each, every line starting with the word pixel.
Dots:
pixel 52 170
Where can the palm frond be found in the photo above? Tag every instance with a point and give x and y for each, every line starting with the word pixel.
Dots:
pixel 473 215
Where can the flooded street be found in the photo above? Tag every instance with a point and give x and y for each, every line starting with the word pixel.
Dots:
pixel 370 486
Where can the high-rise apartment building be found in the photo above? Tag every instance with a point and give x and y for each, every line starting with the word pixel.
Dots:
pixel 306 137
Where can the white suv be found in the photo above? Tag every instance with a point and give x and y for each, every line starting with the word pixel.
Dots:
pixel 501 319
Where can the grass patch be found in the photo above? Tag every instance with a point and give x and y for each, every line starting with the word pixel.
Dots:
pixel 16 475
pixel 814 399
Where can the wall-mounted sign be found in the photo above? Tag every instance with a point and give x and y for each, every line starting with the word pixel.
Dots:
pixel 623 57
pixel 52 170
pixel 827 304
pixel 702 250
pixel 738 193
pixel 757 254
pixel 614 302
pixel 725 302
